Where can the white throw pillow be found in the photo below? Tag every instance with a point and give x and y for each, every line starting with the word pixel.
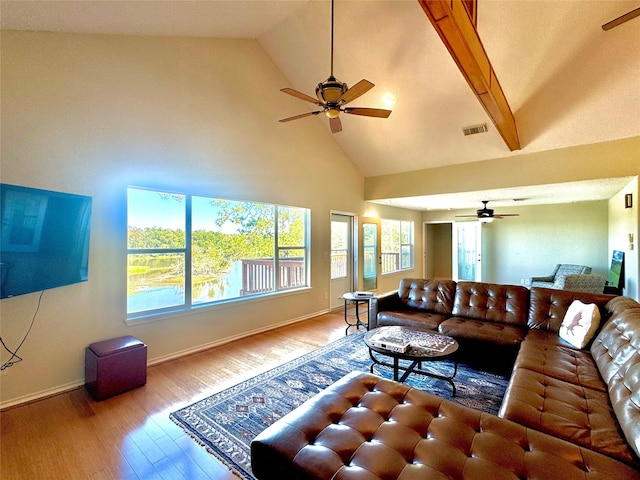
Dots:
pixel 580 323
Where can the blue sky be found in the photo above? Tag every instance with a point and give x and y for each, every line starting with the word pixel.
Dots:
pixel 147 208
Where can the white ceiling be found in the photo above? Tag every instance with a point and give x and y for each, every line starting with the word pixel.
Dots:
pixel 567 81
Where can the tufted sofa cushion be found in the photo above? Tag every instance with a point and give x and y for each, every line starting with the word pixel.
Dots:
pixel 547 307
pixel 488 312
pixel 492 302
pixel 542 352
pixel 616 350
pixel 578 414
pixel 364 427
pixel 434 295
pixel 419 303
pixel 482 331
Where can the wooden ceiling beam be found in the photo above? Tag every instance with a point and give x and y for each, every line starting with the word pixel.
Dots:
pixel 457 31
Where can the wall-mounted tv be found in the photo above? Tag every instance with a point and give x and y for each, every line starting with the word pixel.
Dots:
pixel 45 239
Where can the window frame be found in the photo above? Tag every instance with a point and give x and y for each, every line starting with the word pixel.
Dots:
pixel 188 304
pixel 401 245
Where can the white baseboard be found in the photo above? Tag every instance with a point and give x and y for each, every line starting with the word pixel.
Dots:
pixel 223 341
pixel 67 387
pixel 41 395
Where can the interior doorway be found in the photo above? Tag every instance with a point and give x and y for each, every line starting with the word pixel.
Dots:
pixel 438 241
pixel 342 258
pixel 453 250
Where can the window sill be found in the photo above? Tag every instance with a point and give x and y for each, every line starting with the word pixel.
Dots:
pixel 137 319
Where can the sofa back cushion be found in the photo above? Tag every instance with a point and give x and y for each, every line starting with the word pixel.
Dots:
pixel 568 269
pixel 548 307
pixel 616 350
pixel 433 294
pixel 492 302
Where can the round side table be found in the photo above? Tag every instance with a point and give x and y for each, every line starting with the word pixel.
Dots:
pixel 357 299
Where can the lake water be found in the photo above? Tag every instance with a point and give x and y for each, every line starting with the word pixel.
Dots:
pixel 152 298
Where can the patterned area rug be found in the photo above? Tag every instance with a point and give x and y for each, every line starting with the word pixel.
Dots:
pixel 227 421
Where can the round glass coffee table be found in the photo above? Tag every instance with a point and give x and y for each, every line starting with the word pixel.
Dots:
pixel 416 346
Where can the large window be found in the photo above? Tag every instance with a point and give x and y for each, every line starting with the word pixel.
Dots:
pixel 397 245
pixel 186 250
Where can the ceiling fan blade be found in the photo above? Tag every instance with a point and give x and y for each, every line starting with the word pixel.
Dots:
pixel 467 216
pixel 368 112
pixel 335 124
pixel 295 117
pixel 360 88
pixel 300 95
pixel 501 215
pixel 621 19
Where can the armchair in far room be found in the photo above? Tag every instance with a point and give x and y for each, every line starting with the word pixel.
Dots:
pixel 578 282
pixel 561 269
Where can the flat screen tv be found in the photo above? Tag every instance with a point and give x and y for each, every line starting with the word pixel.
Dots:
pixel 45 239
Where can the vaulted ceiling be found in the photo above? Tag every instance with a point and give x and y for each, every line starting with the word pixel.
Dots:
pixel 567 81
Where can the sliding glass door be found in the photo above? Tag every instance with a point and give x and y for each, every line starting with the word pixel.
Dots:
pixel 467 251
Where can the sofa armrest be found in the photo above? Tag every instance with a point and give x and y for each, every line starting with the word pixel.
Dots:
pixel 548 278
pixel 389 301
pixel 383 302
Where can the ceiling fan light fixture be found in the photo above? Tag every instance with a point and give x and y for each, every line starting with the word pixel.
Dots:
pixel 330 90
pixel 486 219
pixel 332 112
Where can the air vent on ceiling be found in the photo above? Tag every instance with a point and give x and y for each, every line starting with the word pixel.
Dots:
pixel 475 129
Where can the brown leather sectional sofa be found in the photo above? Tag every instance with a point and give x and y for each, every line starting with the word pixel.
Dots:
pixel 567 413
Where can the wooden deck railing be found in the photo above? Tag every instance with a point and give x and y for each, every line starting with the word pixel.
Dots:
pixel 338 264
pixel 258 277
pixel 390 261
pixel 257 273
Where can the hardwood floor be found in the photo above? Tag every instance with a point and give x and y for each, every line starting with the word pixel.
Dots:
pixel 130 436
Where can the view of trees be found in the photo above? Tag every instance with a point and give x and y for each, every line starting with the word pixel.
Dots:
pixel 239 231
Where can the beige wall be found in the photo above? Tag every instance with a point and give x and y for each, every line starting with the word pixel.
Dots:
pixel 389 282
pixel 90 114
pixel 517 248
pixel 618 158
pixel 542 236
pixel 622 222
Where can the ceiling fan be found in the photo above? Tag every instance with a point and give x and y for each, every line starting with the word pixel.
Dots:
pixel 621 19
pixel 485 214
pixel 333 95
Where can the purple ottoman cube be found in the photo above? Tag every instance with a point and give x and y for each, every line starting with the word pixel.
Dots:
pixel 115 366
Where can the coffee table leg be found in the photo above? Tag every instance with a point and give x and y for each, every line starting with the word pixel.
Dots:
pixel 412 369
pixel 409 369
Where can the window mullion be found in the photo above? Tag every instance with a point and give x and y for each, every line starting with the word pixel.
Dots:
pixel 276 252
pixel 188 270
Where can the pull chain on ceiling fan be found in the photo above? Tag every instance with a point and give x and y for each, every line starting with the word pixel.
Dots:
pixel 333 95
